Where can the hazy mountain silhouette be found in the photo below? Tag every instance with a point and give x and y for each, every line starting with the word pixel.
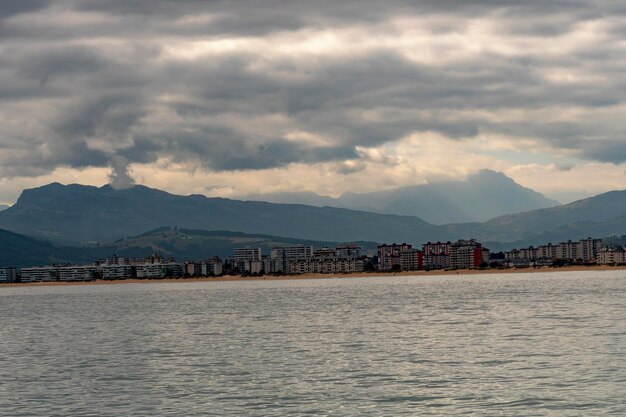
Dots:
pixel 3 207
pixel 81 214
pixel 480 197
pixel 77 214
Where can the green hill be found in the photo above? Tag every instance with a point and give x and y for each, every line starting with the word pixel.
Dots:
pixel 200 244
pixel 78 214
pixel 183 244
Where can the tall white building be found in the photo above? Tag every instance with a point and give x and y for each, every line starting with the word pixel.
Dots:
pixel 281 255
pixel 247 254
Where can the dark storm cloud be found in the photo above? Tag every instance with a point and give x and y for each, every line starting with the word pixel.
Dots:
pixel 44 64
pixel 14 7
pixel 111 83
pixel 612 150
pixel 108 116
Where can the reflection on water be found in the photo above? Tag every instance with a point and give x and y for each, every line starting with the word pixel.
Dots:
pixel 528 344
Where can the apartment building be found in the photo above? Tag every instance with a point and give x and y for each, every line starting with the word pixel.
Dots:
pixel 7 275
pixel 247 254
pixel 585 250
pixel 281 255
pixel 349 250
pixel 466 254
pixel 611 256
pixel 411 260
pixel 39 274
pixel 212 267
pixel 156 270
pixel 589 248
pixel 115 272
pixel 326 265
pixel 193 269
pixel 436 255
pixel 390 256
pixel 72 273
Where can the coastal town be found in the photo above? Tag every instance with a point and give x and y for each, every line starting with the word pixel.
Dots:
pixel 345 258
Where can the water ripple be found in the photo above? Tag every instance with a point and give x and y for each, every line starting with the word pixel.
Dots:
pixel 497 345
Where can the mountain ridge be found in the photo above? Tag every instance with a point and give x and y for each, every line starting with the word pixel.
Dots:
pixel 480 197
pixel 78 215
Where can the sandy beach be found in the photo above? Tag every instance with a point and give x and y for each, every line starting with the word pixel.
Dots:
pixel 329 276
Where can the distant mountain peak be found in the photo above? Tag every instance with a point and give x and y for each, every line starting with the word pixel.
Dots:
pixel 86 214
pixel 481 196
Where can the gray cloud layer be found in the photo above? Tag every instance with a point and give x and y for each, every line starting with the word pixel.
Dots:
pixel 107 83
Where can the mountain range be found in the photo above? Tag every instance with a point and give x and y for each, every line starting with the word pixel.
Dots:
pixel 78 215
pixel 480 197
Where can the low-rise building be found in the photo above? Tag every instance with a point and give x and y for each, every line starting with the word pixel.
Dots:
pixel 8 275
pixel 193 269
pixel 212 267
pixel 39 274
pixel 156 270
pixel 69 273
pixel 115 272
pixel 585 250
pixel 326 265
pixel 611 256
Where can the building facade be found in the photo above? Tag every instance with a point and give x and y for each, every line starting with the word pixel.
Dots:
pixel 115 272
pixel 611 256
pixel 585 250
pixel 349 250
pixel 390 256
pixel 73 273
pixel 411 260
pixel 8 275
pixel 326 265
pixel 436 255
pixel 466 254
pixel 156 270
pixel 39 274
pixel 281 255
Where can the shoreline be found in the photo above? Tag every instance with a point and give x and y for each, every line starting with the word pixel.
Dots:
pixel 545 269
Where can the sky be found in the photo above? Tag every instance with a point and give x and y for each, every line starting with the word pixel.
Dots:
pixel 227 98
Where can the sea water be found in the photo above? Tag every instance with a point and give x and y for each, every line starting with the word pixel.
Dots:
pixel 536 344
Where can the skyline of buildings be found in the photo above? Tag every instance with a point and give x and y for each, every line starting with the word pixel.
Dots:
pixel 345 258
